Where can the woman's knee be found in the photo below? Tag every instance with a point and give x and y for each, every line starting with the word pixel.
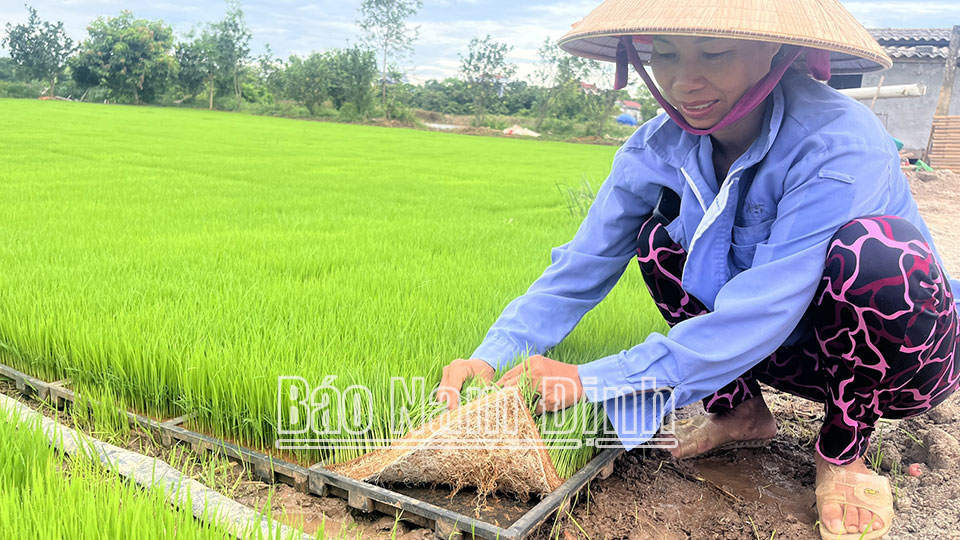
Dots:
pixel 884 262
pixel 884 305
pixel 889 228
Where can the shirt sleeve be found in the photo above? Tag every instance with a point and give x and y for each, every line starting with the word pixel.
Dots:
pixel 756 310
pixel 581 273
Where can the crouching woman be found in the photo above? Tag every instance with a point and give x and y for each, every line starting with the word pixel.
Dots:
pixel 775 232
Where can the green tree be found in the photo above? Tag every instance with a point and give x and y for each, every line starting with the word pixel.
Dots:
pixel 399 94
pixel 39 48
pixel 559 75
pixel 602 103
pixel 353 71
pixel 232 38
pixel 82 74
pixel 306 80
pixel 450 96
pixel 197 59
pixel 519 97
pixel 486 69
pixel 648 105
pixel 384 24
pixel 8 69
pixel 132 57
pixel 270 70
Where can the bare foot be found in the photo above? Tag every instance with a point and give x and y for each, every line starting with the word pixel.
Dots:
pixel 856 519
pixel 748 421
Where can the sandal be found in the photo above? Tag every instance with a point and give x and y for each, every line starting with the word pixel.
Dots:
pixel 690 432
pixel 869 491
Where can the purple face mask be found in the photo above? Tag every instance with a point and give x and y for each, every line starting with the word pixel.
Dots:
pixel 817 61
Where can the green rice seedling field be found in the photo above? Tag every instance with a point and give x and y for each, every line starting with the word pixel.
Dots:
pixel 183 260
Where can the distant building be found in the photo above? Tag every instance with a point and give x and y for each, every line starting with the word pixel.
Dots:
pixel 919 56
pixel 630 107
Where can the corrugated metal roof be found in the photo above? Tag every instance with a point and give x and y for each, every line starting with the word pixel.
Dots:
pixel 910 36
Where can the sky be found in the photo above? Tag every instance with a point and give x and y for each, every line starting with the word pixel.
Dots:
pixel 446 26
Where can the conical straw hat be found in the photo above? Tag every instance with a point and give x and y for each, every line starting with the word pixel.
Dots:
pixel 816 24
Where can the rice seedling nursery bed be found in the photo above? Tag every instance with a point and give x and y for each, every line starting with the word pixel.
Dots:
pixel 181 261
pixel 448 515
pixel 39 482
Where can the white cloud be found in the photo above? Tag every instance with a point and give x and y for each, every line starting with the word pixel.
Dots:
pixel 902 14
pixel 570 12
pixel 525 35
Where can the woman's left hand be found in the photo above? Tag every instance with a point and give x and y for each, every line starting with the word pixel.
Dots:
pixel 557 383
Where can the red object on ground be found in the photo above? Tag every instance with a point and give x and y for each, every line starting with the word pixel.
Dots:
pixel 914 469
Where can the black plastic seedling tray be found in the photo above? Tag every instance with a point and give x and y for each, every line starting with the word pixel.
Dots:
pixel 505 519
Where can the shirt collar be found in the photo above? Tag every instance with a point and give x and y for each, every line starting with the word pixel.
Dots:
pixel 773 119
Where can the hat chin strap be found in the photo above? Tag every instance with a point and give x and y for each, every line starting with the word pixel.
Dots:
pixel 626 52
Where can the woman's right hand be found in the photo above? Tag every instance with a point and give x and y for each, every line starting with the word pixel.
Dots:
pixel 456 373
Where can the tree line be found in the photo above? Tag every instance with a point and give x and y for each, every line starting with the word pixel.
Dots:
pixel 126 59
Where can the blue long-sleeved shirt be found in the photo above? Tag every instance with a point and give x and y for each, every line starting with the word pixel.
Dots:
pixel 756 243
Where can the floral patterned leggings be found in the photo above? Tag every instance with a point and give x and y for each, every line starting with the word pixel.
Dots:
pixel 885 331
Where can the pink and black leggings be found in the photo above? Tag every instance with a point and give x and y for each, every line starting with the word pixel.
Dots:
pixel 885 329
